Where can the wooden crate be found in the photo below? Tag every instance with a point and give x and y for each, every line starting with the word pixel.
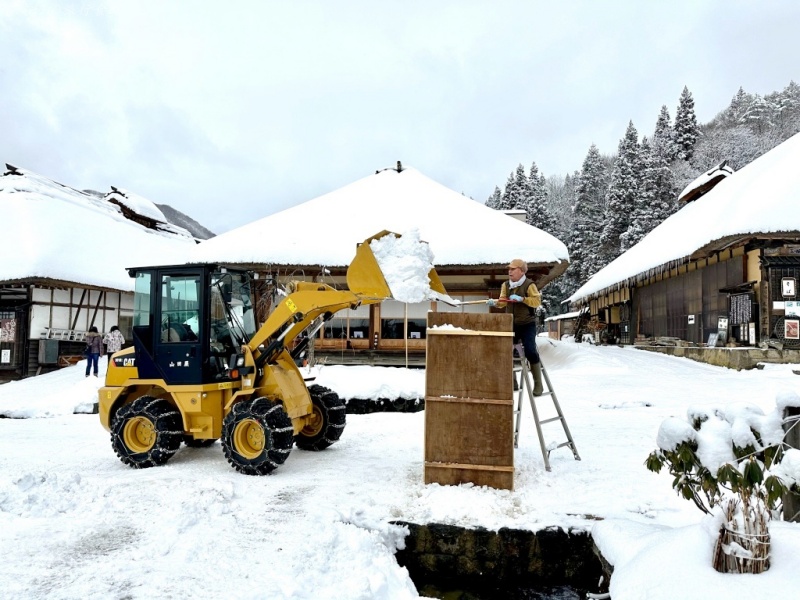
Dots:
pixel 469 402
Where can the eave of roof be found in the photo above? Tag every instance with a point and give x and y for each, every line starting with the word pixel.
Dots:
pixel 706 251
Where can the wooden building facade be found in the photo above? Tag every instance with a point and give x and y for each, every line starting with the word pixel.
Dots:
pixel 741 295
pixel 57 279
pixel 388 332
pixel 44 323
pixel 736 269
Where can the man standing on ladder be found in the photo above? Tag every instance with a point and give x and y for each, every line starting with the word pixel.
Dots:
pixel 520 297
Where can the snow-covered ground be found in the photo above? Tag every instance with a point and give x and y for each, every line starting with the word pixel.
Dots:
pixel 77 523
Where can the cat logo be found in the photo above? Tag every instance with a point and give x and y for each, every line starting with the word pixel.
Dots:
pixel 127 361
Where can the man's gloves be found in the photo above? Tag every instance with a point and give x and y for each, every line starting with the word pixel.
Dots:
pixel 491 302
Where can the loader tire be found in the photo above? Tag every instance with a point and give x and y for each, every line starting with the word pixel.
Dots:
pixel 326 424
pixel 194 443
pixel 257 436
pixel 146 432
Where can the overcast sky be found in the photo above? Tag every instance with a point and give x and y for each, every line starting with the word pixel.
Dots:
pixel 233 111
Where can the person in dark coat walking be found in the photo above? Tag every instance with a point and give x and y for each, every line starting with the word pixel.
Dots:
pixel 94 348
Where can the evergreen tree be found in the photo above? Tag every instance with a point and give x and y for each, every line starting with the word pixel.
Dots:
pixel 665 134
pixel 587 219
pixel 733 114
pixel 758 115
pixel 622 196
pixel 686 128
pixel 509 194
pixel 560 200
pixel 561 197
pixel 657 198
pixel 659 183
pixel 521 189
pixel 496 199
pixel 536 205
pixel 787 107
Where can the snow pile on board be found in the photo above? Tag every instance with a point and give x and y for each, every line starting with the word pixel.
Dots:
pixel 405 261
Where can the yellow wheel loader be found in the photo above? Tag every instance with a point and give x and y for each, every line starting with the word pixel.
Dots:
pixel 200 370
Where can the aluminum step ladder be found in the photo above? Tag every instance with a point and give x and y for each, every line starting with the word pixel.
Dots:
pixel 526 387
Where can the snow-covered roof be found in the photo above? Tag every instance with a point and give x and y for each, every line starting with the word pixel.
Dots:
pixel 705 182
pixel 141 206
pixel 52 231
pixel 762 197
pixel 143 210
pixel 569 315
pixel 325 230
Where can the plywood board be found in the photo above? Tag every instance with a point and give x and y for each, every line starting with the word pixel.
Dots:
pixel 469 400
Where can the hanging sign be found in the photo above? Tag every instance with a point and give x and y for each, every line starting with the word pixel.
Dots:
pixel 8 330
pixel 788 287
pixel 741 309
pixel 791 329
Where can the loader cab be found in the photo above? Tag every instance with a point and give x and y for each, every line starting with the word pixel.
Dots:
pixel 188 320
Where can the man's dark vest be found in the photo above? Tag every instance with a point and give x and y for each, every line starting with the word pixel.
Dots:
pixel 523 314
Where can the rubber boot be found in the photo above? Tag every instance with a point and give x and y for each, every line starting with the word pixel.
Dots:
pixel 536 369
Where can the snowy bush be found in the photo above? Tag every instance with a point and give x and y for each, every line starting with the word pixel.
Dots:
pixel 731 461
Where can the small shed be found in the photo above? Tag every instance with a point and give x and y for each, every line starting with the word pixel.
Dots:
pixel 558 326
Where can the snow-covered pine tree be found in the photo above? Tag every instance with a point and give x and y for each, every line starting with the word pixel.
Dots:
pixel 660 183
pixel 732 116
pixel 560 200
pixel 665 134
pixel 657 198
pixel 521 189
pixel 787 117
pixel 516 190
pixel 622 195
pixel 536 206
pixel 759 114
pixel 686 128
pixel 587 218
pixel 641 217
pixel 496 199
pixel 509 194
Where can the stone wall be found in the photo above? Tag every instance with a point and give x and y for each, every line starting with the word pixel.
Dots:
pixel 475 558
pixel 740 358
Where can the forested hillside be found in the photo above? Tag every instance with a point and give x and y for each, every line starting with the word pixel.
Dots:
pixel 612 202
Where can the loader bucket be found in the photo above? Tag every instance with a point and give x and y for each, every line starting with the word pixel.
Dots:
pixel 365 276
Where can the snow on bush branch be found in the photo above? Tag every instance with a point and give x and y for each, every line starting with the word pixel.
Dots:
pixel 732 456
pixel 733 448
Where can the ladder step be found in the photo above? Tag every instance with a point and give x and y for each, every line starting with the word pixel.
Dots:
pixel 525 383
